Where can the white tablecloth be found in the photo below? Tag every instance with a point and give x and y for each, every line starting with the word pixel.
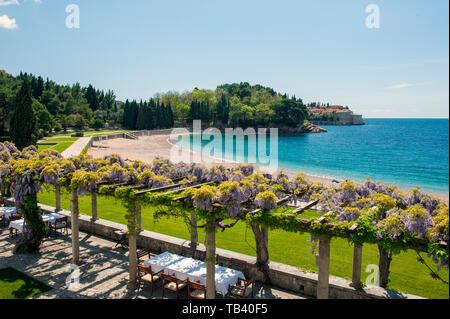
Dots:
pixel 195 270
pixel 7 211
pixel 48 218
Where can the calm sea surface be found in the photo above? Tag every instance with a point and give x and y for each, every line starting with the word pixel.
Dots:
pixel 403 152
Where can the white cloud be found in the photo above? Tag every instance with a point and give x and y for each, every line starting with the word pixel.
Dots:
pixel 8 2
pixel 400 86
pixel 4 3
pixel 7 23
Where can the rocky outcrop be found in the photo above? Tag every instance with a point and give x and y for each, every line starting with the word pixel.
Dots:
pixel 303 128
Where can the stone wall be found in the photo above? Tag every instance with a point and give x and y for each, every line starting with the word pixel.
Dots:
pixel 278 275
pixel 342 118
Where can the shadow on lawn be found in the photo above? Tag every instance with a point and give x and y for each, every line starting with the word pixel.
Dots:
pixel 28 288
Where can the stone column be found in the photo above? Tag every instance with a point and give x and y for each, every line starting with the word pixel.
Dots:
pixel 58 197
pixel 210 243
pixel 139 217
pixel 357 263
pixel 324 268
pixel 194 232
pixel 74 224
pixel 132 247
pixel 384 265
pixel 94 206
pixel 262 244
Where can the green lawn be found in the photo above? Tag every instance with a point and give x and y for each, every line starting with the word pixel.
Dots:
pixel 62 146
pixel 93 133
pixel 59 144
pixel 42 147
pixel 407 274
pixel 61 139
pixel 16 285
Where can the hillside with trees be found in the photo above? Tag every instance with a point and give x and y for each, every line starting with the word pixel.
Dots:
pixel 54 107
pixel 49 107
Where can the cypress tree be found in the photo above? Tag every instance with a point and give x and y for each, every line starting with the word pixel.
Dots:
pixel 133 114
pixel 91 97
pixel 141 118
pixel 158 117
pixel 223 109
pixel 40 87
pixel 23 120
pixel 126 115
pixel 163 115
pixel 150 116
pixel 171 117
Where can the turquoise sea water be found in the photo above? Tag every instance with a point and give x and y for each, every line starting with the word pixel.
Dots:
pixel 403 152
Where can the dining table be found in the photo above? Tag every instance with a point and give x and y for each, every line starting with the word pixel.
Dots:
pixel 7 212
pixel 193 269
pixel 47 218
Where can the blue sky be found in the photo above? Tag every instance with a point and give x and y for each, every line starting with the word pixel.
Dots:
pixel 318 50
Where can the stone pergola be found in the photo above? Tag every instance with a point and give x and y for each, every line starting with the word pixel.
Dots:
pixel 324 241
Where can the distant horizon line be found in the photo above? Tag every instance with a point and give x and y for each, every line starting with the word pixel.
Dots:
pixel 409 118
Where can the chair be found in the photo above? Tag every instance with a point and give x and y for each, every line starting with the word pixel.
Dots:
pixel 146 275
pixel 141 253
pixel 11 219
pixel 172 284
pixel 196 290
pixel 60 223
pixel 187 252
pixel 121 238
pixel 14 217
pixel 201 255
pixel 242 289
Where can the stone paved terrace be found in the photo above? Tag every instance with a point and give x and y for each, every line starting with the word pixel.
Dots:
pixel 104 272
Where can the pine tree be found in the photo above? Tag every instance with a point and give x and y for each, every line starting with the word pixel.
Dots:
pixel 22 126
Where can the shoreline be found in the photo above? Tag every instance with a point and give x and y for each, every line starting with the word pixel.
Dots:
pixel 146 148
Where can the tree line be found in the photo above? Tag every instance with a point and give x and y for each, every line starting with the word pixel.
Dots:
pixel 150 115
pixel 48 107
pixel 56 107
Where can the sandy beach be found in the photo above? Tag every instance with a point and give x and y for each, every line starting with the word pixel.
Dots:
pixel 146 148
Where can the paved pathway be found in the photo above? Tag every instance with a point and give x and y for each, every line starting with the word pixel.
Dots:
pixel 76 148
pixel 104 271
